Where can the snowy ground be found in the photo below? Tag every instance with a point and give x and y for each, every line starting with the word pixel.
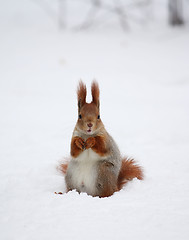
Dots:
pixel 144 81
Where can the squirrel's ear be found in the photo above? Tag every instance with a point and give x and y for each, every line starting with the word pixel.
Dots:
pixel 81 94
pixel 95 93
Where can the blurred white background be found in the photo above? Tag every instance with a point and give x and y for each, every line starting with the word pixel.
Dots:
pixel 138 51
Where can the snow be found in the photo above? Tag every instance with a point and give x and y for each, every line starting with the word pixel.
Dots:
pixel 144 82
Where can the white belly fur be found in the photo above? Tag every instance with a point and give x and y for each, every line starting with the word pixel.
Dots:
pixel 84 173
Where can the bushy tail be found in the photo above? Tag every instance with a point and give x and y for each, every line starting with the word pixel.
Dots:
pixel 129 170
pixel 63 165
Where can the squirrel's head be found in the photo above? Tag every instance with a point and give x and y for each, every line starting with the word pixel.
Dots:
pixel 88 113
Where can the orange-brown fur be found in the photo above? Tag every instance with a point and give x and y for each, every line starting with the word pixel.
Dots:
pixel 90 142
pixel 63 167
pixel 77 146
pixel 89 113
pixel 100 145
pixel 96 143
pixel 129 170
pixel 81 94
pixel 95 93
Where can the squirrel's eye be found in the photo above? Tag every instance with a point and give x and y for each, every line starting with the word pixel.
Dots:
pixel 98 117
pixel 80 116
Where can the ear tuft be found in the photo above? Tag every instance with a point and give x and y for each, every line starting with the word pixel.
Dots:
pixel 81 94
pixel 95 93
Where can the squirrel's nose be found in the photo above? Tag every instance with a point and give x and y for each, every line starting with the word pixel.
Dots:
pixel 89 124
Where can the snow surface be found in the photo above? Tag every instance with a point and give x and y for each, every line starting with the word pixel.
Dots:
pixel 144 81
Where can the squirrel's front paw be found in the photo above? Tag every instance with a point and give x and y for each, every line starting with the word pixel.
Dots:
pixel 90 142
pixel 80 143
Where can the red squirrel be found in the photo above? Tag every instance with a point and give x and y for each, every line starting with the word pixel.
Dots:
pixel 96 166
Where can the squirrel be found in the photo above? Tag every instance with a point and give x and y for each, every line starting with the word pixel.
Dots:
pixel 96 166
